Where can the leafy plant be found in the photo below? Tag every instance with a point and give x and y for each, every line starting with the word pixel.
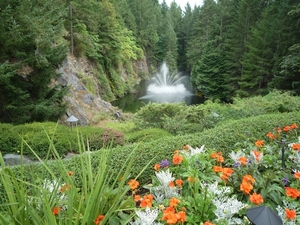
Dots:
pixel 55 196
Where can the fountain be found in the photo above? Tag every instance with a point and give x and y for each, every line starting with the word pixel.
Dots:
pixel 165 87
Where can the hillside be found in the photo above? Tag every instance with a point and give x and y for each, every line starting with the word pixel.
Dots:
pixel 84 97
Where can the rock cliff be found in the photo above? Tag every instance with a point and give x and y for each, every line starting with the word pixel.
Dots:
pixel 84 104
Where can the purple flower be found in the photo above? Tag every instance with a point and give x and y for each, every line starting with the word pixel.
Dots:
pixel 236 164
pixel 285 181
pixel 164 163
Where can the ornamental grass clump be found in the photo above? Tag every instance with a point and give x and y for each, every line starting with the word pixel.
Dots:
pixel 67 195
pixel 208 188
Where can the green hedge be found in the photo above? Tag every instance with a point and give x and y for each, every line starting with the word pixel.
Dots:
pixel 222 138
pixel 147 135
pixel 65 140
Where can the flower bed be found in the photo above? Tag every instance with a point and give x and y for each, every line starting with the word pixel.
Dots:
pixel 201 186
pixel 198 186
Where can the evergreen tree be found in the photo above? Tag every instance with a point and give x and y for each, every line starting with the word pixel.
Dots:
pixel 184 35
pixel 287 26
pixel 166 48
pixel 204 30
pixel 207 74
pixel 245 14
pixel 32 46
pixel 146 12
pixel 258 61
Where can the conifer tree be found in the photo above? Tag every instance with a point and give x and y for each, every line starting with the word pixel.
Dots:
pixel 33 48
pixel 287 26
pixel 184 35
pixel 245 14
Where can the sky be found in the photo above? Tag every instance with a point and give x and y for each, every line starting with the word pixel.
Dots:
pixel 182 3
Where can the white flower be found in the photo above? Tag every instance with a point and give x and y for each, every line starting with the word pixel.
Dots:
pixel 164 177
pixel 146 217
pixel 51 186
pixel 226 208
pixel 236 155
pixel 195 151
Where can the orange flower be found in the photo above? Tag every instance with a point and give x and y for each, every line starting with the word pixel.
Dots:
pixel 137 198
pixel 65 188
pixel 181 216
pixel 191 180
pixel 171 184
pixel 213 155
pixel 287 128
pixel 186 147
pixel 209 223
pixel 156 167
pixel 56 210
pixel 176 152
pixel 294 126
pixel 133 184
pixel 259 143
pixel 98 219
pixel 147 201
pixel 297 175
pixel 179 182
pixel 177 159
pixel 218 156
pixel 271 135
pixel 257 155
pixel 243 160
pixel 296 146
pixel 292 192
pixel 174 202
pixel 70 173
pixel 171 217
pixel 290 214
pixel 248 178
pixel 226 172
pixel 278 129
pixel 246 187
pixel 217 169
pixel 256 199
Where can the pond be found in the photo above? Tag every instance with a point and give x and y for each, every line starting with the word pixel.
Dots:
pixel 132 102
pixel 162 88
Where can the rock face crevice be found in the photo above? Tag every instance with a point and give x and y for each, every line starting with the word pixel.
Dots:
pixel 83 104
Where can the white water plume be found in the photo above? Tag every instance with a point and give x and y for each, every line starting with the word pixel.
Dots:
pixel 167 88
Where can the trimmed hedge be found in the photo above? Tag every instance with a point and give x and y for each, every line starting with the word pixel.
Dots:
pixel 222 138
pixel 64 140
pixel 147 135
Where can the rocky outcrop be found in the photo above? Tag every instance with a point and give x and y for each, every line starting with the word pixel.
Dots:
pixel 83 104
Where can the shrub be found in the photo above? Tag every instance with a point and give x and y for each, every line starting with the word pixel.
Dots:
pixel 147 135
pixel 225 138
pixel 63 138
pixel 173 117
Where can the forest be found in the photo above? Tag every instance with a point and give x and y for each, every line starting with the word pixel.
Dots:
pixel 229 47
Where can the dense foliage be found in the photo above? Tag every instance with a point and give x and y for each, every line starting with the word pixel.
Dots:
pixel 181 119
pixel 38 136
pixel 240 47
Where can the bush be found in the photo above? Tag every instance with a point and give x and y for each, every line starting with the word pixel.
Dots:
pixel 173 117
pixel 274 102
pixel 224 138
pixel 147 135
pixel 38 135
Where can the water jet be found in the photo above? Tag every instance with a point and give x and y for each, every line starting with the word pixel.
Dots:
pixel 168 88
